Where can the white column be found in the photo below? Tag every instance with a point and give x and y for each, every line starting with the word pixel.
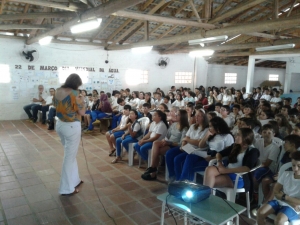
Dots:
pixel 287 78
pixel 250 74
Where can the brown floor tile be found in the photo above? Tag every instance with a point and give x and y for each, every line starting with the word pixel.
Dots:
pixel 54 215
pixel 30 182
pixel 85 219
pixel 13 202
pixel 132 207
pixel 17 211
pixel 26 175
pixel 75 210
pixel 144 217
pixel 9 186
pixel 113 211
pixel 44 206
pixel 6 179
pixel 11 193
pixel 120 179
pixel 130 186
pixel 120 198
pixel 25 220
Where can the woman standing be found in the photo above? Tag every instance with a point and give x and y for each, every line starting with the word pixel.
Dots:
pixel 70 107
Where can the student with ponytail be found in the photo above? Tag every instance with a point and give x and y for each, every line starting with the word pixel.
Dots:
pixel 157 131
pixel 242 157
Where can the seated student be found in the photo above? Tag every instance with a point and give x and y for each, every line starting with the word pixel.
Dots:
pixel 285 110
pixel 134 100
pixel 132 135
pixel 225 110
pixel 149 100
pixel 275 99
pixel 146 113
pixel 87 115
pixel 176 158
pixel 287 196
pixel 159 100
pixel 51 115
pixel 104 110
pixel 44 107
pixel 291 144
pixel 117 113
pixel 191 113
pixel 218 106
pixel 115 95
pixel 210 102
pixel 163 107
pixel 284 126
pixel 247 110
pixel 266 95
pixel 265 116
pixel 167 102
pixel 218 137
pixel 157 131
pixel 179 102
pixel 109 98
pixel 211 115
pixel 275 129
pixel 269 153
pixel 242 157
pixel 236 112
pixel 36 101
pixel 190 97
pixel 173 115
pixel 293 118
pixel 172 97
pixel 176 133
pixel 117 132
pixel 296 129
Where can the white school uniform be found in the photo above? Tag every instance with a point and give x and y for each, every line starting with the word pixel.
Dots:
pixel 158 128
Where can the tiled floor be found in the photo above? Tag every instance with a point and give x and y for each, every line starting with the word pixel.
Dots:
pixel 31 159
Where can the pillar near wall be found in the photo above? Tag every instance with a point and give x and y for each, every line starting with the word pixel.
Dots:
pixel 250 74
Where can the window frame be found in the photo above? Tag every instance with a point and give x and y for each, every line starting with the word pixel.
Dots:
pixel 230 78
pixel 183 77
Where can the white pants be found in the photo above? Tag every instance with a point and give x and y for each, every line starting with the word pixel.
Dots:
pixel 69 133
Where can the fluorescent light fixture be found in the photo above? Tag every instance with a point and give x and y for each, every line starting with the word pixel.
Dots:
pixel 296 4
pixel 142 49
pixel 208 40
pixel 275 47
pixel 279 14
pixel 86 26
pixel 45 40
pixel 200 53
pixel 286 10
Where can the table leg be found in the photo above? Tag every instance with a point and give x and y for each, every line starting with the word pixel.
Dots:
pixel 185 218
pixel 162 217
pixel 237 219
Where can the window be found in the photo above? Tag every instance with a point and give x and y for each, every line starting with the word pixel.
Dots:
pixel 135 77
pixel 273 77
pixel 230 78
pixel 183 77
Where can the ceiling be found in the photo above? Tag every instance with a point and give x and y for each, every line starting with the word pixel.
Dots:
pixel 165 24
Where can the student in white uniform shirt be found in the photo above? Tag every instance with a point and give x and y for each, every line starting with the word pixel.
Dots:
pixel 117 132
pixel 38 98
pixel 179 102
pixel 167 102
pixel 44 107
pixel 286 204
pixel 158 100
pixel 225 110
pixel 227 98
pixel 134 100
pixel 266 95
pixel 275 99
pixel 157 131
pixel 149 100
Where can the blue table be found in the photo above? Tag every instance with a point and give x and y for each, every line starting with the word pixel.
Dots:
pixel 213 210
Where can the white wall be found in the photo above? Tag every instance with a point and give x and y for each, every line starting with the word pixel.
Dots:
pixel 216 74
pixel 83 56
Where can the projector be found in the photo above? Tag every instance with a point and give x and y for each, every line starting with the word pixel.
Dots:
pixel 188 191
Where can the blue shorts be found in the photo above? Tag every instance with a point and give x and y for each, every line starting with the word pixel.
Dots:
pixel 117 134
pixel 240 182
pixel 261 173
pixel 286 210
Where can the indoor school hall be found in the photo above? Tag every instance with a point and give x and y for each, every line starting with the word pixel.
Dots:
pixel 149 112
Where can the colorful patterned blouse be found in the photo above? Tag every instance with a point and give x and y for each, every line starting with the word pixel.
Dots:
pixel 66 109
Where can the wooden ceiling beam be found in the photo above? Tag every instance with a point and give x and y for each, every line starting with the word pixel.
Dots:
pixel 276 9
pixel 102 10
pixel 121 27
pixel 227 47
pixel 232 30
pixel 133 31
pixel 195 11
pixel 2 6
pixel 103 27
pixel 291 8
pixel 31 16
pixel 22 20
pixel 24 26
pixel 244 5
pixel 248 53
pixel 224 5
pixel 184 5
pixel 146 5
pixel 268 36
pixel 165 20
pixel 180 33
pixel 69 7
pixel 139 24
